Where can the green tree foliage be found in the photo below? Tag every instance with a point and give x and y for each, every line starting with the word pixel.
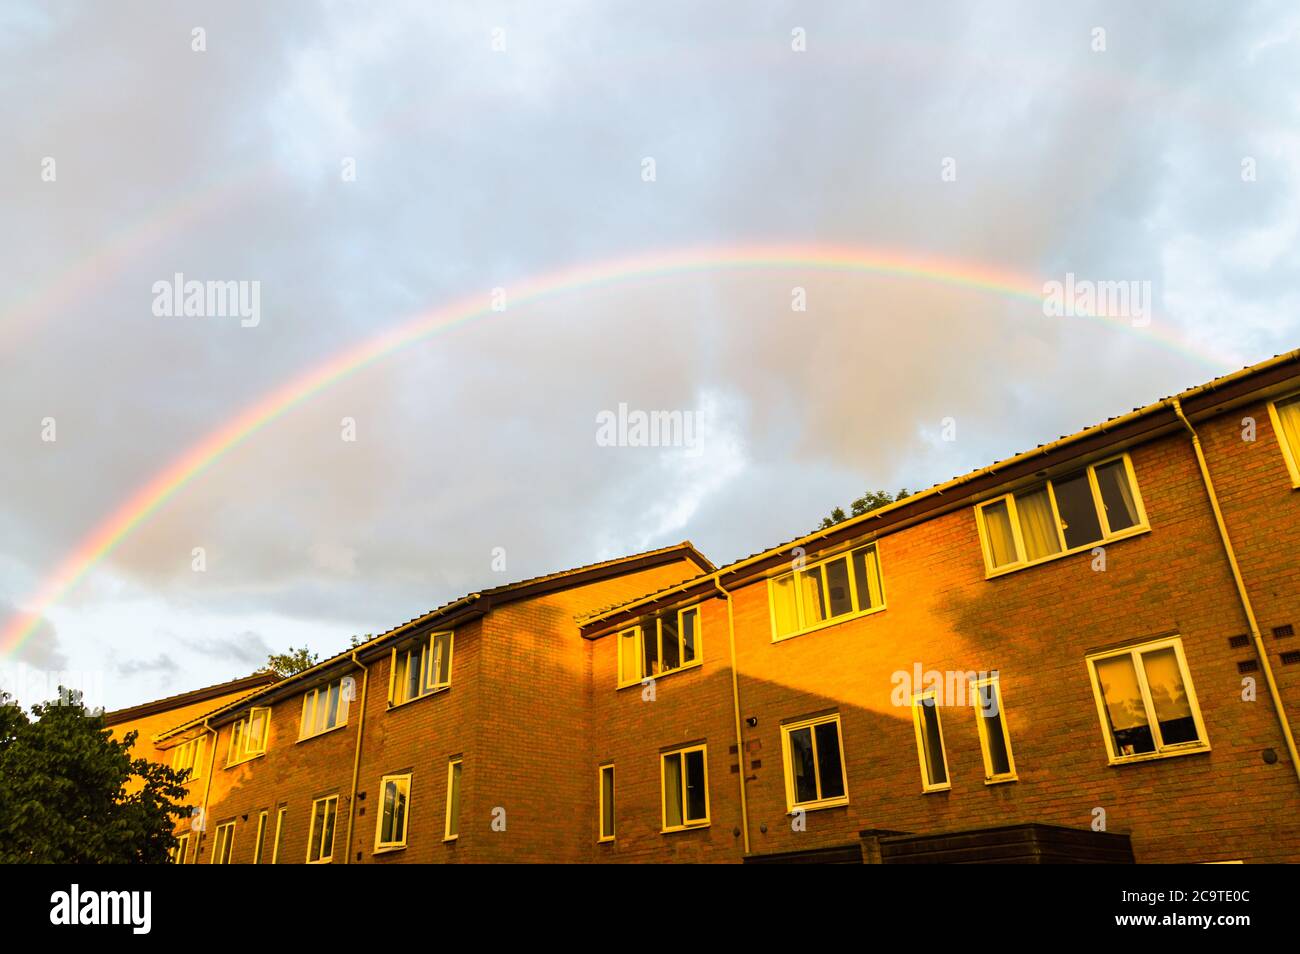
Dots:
pixel 290 663
pixel 871 500
pixel 70 793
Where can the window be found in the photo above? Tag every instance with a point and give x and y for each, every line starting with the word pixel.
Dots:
pixel 182 849
pixel 420 668
pixel 261 836
pixel 835 589
pixel 606 803
pixel 320 846
pixel 451 830
pixel 995 740
pixel 684 776
pixel 279 834
pixel 1286 423
pixel 248 736
pixel 323 708
pixel 660 644
pixel 224 845
pixel 188 757
pixel 814 763
pixel 1061 515
pixel 929 742
pixel 1146 702
pixel 390 833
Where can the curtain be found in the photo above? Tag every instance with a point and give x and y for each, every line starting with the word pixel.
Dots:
pixel 997 528
pixel 1037 524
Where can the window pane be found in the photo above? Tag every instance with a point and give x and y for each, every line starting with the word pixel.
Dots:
pixel 783 605
pixel 387 827
pixel 1117 496
pixel 932 743
pixel 696 806
pixel 317 826
pixel 866 573
pixel 453 802
pixel 327 836
pixel 814 600
pixel 332 713
pixel 606 802
pixel 1078 511
pixel 829 769
pixel 690 620
pixel 649 648
pixel 991 712
pixel 672 657
pixel 1125 709
pixel 441 675
pixel 629 657
pixel 839 596
pixel 801 766
pixel 399 678
pixel 1288 413
pixel 1037 525
pixel 997 530
pixel 673 791
pixel 1169 696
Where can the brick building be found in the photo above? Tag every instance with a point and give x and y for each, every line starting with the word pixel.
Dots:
pixel 1087 649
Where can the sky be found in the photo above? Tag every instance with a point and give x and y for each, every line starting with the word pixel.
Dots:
pixel 364 167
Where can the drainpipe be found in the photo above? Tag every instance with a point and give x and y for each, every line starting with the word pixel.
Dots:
pixel 207 788
pixel 735 704
pixel 1260 651
pixel 356 758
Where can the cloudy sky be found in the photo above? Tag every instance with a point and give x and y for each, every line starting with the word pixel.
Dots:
pixel 366 165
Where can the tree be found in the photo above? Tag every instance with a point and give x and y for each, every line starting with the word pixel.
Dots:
pixel 290 663
pixel 64 784
pixel 871 500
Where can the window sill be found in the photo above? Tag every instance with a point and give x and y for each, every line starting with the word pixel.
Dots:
pixel 826 624
pixel 245 761
pixel 449 839
pixel 308 738
pixel 1001 779
pixel 693 826
pixel 671 672
pixel 936 789
pixel 422 696
pixel 607 840
pixel 322 861
pixel 817 806
pixel 388 849
pixel 1157 756
pixel 1087 547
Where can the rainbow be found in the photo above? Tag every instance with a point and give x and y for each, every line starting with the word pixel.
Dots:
pixel 150 498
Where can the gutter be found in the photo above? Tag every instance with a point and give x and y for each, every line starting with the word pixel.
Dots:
pixel 207 788
pixel 356 758
pixel 735 704
pixel 1260 651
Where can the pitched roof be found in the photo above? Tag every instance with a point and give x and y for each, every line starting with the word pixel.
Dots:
pixel 243 684
pixel 476 603
pixel 1201 399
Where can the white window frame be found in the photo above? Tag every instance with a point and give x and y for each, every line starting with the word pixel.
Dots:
pixel 1162 751
pixel 242 746
pixel 819 566
pixel 424 648
pixel 1291 455
pixel 223 844
pixel 819 802
pixel 189 756
pixel 638 645
pixel 182 849
pixel 324 859
pixel 687 823
pixel 311 699
pixel 259 847
pixel 927 784
pixel 280 814
pixel 403 783
pixel 456 779
pixel 990 777
pixel 601 835
pixel 1021 562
